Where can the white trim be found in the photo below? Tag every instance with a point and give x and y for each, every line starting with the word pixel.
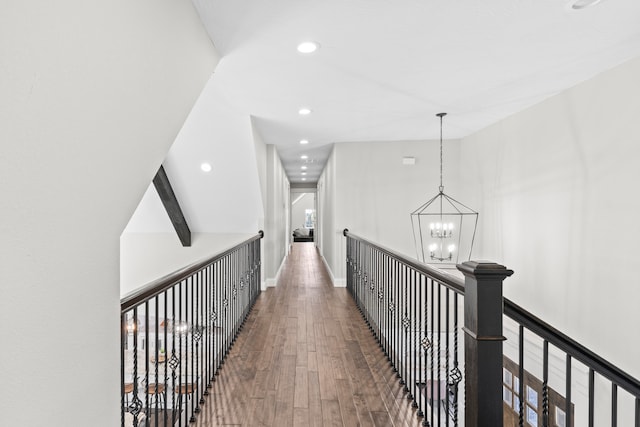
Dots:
pixel 337 282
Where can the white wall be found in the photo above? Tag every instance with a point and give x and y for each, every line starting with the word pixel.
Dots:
pixel 372 193
pixel 328 238
pixel 277 229
pixel 93 94
pixel 556 187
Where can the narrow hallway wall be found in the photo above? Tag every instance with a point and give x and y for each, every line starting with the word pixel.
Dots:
pixel 93 94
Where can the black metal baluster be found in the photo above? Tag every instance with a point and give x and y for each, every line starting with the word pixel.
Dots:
pixel 228 329
pixel 221 316
pixel 136 403
pixel 123 338
pixel 637 411
pixel 181 333
pixel 391 300
pixel 146 357
pixel 568 393
pixel 456 375
pixel 591 396
pixel 420 381
pixel 545 384
pixel 405 326
pixel 395 318
pixel 166 360
pixel 156 385
pixel 380 297
pixel 427 348
pixel 365 282
pixel 446 355
pixel 614 405
pixel 521 374
pixel 174 360
pixel 439 353
pixel 206 345
pixel 413 347
pixel 433 350
pixel 196 336
pixel 189 378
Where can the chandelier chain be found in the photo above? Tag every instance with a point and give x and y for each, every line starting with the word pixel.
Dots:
pixel 440 153
pixel 441 115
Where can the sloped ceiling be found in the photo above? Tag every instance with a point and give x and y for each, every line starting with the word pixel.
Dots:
pixel 385 68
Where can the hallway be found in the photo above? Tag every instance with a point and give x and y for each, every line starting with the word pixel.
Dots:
pixel 305 357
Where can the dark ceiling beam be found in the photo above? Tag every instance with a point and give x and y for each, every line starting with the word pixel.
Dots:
pixel 168 197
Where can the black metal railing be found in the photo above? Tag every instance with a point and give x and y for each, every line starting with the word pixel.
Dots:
pixel 177 330
pixel 416 313
pixel 564 382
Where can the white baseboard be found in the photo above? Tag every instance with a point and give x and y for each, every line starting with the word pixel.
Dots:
pixel 337 282
pixel 273 282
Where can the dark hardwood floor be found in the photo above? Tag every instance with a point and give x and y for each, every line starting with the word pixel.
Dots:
pixel 305 357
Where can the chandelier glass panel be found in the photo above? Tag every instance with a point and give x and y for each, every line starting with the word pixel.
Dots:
pixel 443 228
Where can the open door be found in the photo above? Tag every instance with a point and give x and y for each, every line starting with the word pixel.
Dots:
pixel 303 216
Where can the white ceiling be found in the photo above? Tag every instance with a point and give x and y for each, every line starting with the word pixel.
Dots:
pixel 386 67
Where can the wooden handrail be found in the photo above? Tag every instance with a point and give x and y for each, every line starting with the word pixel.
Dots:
pixel 451 281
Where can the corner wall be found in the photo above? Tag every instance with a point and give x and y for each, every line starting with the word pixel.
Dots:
pixel 556 186
pixel 277 232
pixel 366 188
pixel 93 94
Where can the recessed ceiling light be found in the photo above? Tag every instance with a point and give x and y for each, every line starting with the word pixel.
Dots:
pixel 304 179
pixel 308 47
pixel 304 111
pixel 206 167
pixel 304 141
pixel 304 157
pixel 304 173
pixel 583 4
pixel 304 168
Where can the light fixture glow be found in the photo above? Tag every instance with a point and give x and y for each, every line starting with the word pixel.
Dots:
pixel 308 47
pixel 304 157
pixel 304 111
pixel 304 173
pixel 304 168
pixel 304 179
pixel 206 167
pixel 304 141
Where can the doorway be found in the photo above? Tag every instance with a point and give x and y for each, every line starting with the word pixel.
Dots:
pixel 303 215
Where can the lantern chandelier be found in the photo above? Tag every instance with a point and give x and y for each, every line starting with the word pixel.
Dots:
pixel 443 228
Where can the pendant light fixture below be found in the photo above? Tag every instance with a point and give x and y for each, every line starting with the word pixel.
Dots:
pixel 443 228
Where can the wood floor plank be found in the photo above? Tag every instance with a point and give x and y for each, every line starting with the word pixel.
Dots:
pixel 305 357
pixel 301 397
pixel 331 413
pixel 315 407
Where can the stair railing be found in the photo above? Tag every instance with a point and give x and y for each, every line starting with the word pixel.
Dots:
pixel 177 330
pixel 417 312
